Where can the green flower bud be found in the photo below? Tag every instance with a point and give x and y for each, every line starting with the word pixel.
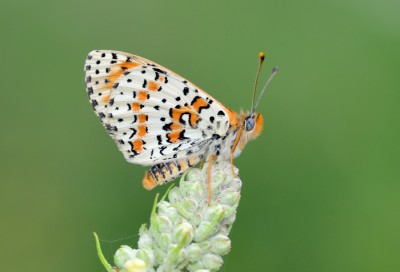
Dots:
pixel 214 212
pixel 217 179
pixel 197 218
pixel 185 187
pixel 162 223
pixel 182 211
pixel 212 261
pixel 190 205
pixel 175 255
pixel 145 240
pixel 164 240
pixel 230 197
pixel 205 246
pixel 146 255
pixel 194 252
pixel 184 233
pixel 194 175
pixel 230 211
pixel 197 191
pixel 124 254
pixel 203 231
pixel 160 254
pixel 220 244
pixel 174 195
pixel 165 208
pixel 197 266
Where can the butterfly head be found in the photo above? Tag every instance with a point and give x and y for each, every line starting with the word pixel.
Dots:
pixel 252 125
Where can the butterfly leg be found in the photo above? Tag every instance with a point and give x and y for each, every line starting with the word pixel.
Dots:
pixel 232 166
pixel 235 143
pixel 211 159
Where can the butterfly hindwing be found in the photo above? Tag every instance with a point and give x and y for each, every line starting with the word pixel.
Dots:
pixel 153 114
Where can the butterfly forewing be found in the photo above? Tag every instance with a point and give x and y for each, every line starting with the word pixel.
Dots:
pixel 153 114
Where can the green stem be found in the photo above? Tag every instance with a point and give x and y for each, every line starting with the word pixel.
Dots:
pixel 103 260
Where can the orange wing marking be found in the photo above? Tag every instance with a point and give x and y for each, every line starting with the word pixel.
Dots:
pixel 135 106
pixel 121 68
pixel 152 86
pixel 176 114
pixel 106 98
pixel 142 95
pixel 142 118
pixel 142 130
pixel 199 103
pixel 137 145
pixel 174 136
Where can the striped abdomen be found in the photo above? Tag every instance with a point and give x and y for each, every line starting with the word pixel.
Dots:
pixel 164 172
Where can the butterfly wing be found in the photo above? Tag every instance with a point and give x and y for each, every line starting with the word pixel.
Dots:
pixel 153 114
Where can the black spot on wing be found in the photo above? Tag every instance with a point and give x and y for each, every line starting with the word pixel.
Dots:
pixel 134 119
pixel 90 90
pixel 94 103
pixel 133 133
pixel 167 127
pixel 159 139
pixel 177 148
pixel 159 71
pixel 162 150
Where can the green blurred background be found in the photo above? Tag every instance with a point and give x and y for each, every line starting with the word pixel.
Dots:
pixel 321 185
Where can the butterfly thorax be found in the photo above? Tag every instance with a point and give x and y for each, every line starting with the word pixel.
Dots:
pixel 248 127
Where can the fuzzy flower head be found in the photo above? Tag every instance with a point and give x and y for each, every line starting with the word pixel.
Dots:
pixel 187 233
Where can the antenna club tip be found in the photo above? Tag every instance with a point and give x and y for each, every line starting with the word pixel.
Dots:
pixel 261 55
pixel 275 69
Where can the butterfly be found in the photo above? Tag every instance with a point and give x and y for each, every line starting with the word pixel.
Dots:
pixel 159 119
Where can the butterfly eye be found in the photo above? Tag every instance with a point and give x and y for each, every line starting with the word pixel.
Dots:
pixel 250 123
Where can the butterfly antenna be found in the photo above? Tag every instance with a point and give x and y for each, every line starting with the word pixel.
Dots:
pixel 274 71
pixel 261 55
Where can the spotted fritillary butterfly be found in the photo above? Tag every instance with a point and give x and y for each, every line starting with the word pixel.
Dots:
pixel 160 119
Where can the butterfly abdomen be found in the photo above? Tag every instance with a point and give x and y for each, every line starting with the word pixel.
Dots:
pixel 164 172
